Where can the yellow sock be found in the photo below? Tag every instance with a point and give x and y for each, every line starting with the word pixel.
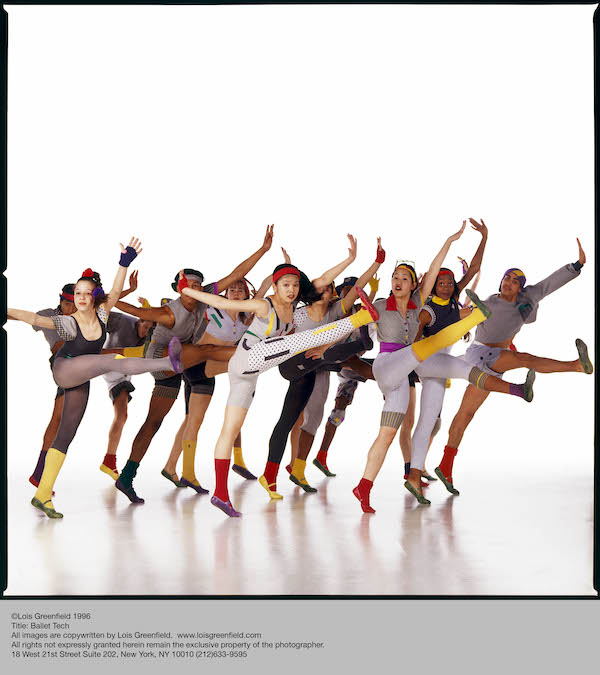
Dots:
pixel 451 334
pixel 238 458
pixel 189 458
pixel 362 318
pixel 298 470
pixel 54 462
pixel 134 352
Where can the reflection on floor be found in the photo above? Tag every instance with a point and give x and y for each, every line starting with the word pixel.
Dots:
pixel 500 536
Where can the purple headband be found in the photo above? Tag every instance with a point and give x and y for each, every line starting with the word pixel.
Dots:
pixel 519 273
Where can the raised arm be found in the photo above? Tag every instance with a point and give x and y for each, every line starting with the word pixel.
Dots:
pixel 329 276
pixel 475 265
pixel 31 318
pixel 264 287
pixel 128 255
pixel 133 284
pixel 162 315
pixel 352 294
pixel 257 306
pixel 557 279
pixel 243 268
pixel 434 268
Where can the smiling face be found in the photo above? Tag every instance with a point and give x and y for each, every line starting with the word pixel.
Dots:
pixel 444 286
pixel 510 286
pixel 287 288
pixel 84 300
pixel 402 283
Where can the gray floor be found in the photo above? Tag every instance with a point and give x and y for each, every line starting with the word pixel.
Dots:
pixel 530 534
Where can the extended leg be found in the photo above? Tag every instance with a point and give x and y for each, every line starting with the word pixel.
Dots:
pixel 49 435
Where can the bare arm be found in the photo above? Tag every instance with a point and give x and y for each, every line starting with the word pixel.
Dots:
pixel 475 265
pixel 434 268
pixel 133 284
pixel 31 318
pixel 115 292
pixel 352 295
pixel 243 268
pixel 161 315
pixel 257 306
pixel 329 276
pixel 264 287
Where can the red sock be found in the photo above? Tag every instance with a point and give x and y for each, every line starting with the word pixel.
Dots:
pixel 221 475
pixel 271 471
pixel 322 457
pixel 448 461
pixel 364 487
pixel 110 461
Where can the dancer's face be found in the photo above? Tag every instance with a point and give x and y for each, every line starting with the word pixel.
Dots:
pixel 237 291
pixel 510 285
pixel 444 287
pixel 402 283
pixel 83 295
pixel 143 327
pixel 67 307
pixel 287 288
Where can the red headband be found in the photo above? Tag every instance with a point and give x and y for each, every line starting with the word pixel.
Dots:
pixel 67 296
pixel 283 271
pixel 441 272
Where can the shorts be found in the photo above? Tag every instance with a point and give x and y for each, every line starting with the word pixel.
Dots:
pixel 196 382
pixel 484 357
pixel 167 388
pixel 115 392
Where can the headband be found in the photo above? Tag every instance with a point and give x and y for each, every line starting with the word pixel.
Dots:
pixel 519 273
pixel 406 267
pixel 444 271
pixel 67 296
pixel 285 270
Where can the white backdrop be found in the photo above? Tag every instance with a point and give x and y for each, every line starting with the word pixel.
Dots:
pixel 194 127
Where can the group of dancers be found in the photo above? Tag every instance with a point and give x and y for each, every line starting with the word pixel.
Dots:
pixel 308 328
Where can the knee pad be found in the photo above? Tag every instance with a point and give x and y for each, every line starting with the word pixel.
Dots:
pixel 337 417
pixel 436 427
pixel 391 419
pixel 477 378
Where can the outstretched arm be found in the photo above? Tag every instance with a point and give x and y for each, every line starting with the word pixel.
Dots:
pixel 258 306
pixel 329 276
pixel 352 294
pixel 128 255
pixel 557 279
pixel 475 265
pixel 434 268
pixel 161 315
pixel 31 318
pixel 243 268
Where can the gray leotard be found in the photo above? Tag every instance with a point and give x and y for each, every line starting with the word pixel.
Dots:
pixel 392 326
pixel 122 332
pixel 220 325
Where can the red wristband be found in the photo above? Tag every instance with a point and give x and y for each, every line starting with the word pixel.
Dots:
pixel 380 256
pixel 182 283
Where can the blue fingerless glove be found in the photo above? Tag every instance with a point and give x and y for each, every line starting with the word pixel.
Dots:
pixel 128 257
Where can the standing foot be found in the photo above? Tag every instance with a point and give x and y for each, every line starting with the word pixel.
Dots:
pixel 243 472
pixel 366 507
pixel 129 492
pixel 447 481
pixel 416 493
pixel 195 485
pixel 323 468
pixel 226 507
pixel 48 510
pixel 113 473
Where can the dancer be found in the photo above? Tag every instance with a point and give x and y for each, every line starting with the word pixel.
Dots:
pixel 301 369
pixel 66 307
pixel 399 355
pixel 223 328
pixel 266 344
pixel 515 305
pixel 79 360
pixel 184 318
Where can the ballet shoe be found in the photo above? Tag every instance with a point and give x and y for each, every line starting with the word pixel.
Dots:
pixel 188 483
pixel 129 492
pixel 109 472
pixel 171 477
pixel 423 483
pixel 588 368
pixel 427 475
pixel 243 472
pixel 481 306
pixel 366 507
pixel 36 483
pixel 305 486
pixel 365 338
pixel 528 386
pixel 274 495
pixel 323 468
pixel 48 510
pixel 226 507
pixel 175 355
pixel 447 481
pixel 415 493
pixel 366 303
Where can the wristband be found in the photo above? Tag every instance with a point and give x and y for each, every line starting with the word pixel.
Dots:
pixel 577 265
pixel 128 257
pixel 380 256
pixel 182 283
pixel 374 284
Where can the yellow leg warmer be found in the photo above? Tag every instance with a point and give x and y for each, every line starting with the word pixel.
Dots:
pixel 238 458
pixel 423 349
pixel 134 352
pixel 54 462
pixel 189 459
pixel 298 470
pixel 362 318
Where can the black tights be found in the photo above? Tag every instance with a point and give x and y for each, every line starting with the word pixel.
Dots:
pixel 296 399
pixel 74 406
